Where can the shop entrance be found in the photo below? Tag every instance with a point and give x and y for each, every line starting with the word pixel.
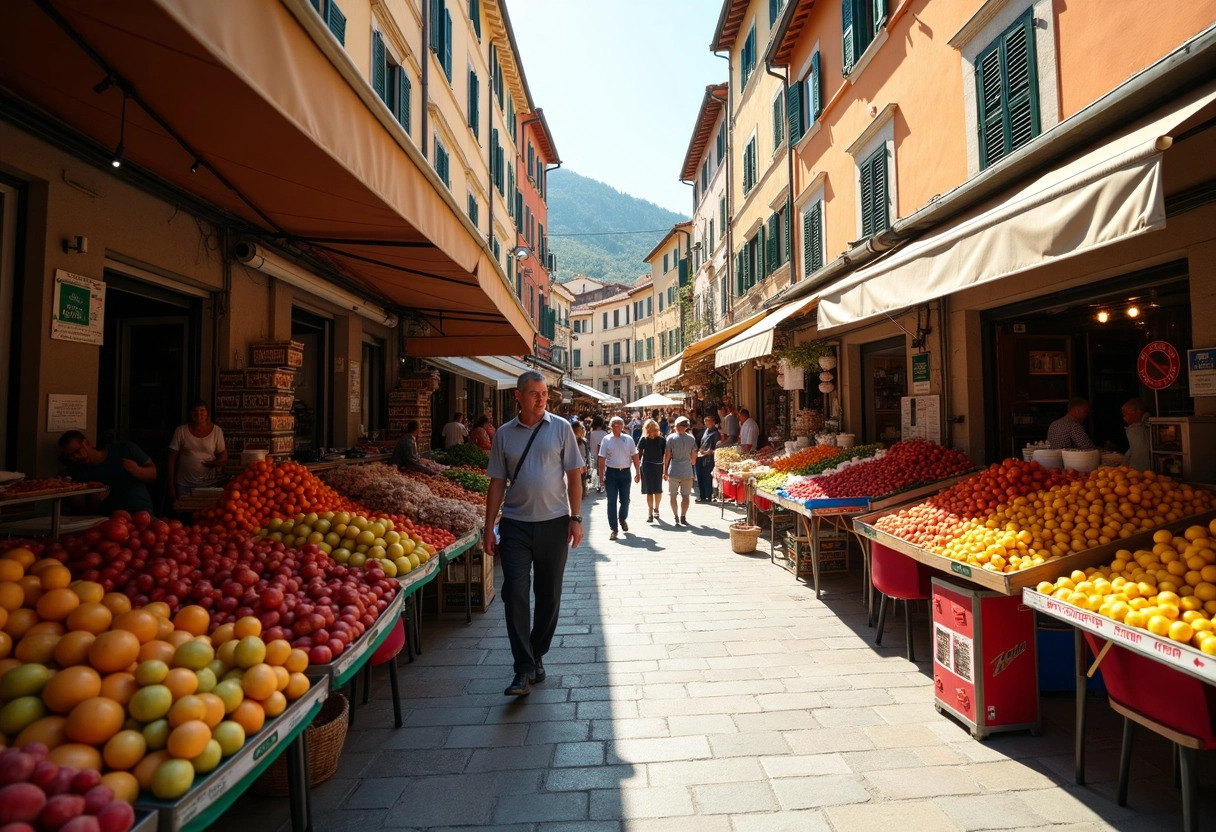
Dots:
pixel 1084 343
pixel 8 332
pixel 314 394
pixel 884 375
pixel 149 368
pixel 375 402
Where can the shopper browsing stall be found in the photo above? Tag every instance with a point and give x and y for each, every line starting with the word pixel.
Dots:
pixel 455 431
pixel 652 450
pixel 122 467
pixel 728 424
pixel 616 452
pixel 705 459
pixel 481 435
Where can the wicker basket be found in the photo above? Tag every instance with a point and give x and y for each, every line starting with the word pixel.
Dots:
pixel 326 736
pixel 743 538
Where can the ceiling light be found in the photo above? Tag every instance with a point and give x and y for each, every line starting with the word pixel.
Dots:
pixel 117 160
pixel 1133 311
pixel 195 166
pixel 1103 316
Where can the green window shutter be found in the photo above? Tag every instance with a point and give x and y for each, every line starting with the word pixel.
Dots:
pixel 739 273
pixel 874 216
pixel 510 190
pixel 379 67
pixel 880 16
pixel 475 16
pixel 403 98
pixel 474 104
pixel 812 239
pixel 815 83
pixel 778 122
pixel 436 24
pixel 336 21
pixel 793 108
pixel 519 210
pixel 722 214
pixel 786 252
pixel 849 38
pixel 989 86
pixel 774 244
pixel 774 7
pixel 683 276
pixel 447 44
pixel 1021 83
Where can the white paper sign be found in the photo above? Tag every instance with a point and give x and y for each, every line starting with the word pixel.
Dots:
pixel 66 412
pixel 921 418
pixel 1201 367
pixel 78 311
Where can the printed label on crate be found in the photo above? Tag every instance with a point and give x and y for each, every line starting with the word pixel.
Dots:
pixel 279 378
pixel 268 422
pixel 228 401
pixel 277 354
pixel 267 400
pixel 942 639
pixel 232 379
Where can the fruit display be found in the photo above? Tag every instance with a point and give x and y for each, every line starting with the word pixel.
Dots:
pixel 353 540
pixel 464 455
pixel 1016 514
pixel 265 490
pixel 32 488
pixel 772 482
pixel 441 486
pixel 382 488
pixel 726 455
pixel 37 795
pixel 148 699
pixel 1168 590
pixel 472 481
pixel 797 462
pixel 905 465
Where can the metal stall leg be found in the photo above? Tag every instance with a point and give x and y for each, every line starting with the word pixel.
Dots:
pixel 297 783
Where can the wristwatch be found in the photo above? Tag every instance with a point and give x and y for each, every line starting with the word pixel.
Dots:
pixel 576 518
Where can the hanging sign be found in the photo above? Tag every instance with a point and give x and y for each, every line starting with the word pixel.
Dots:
pixel 1202 371
pixel 66 412
pixel 1158 365
pixel 79 308
pixel 920 374
pixel 356 386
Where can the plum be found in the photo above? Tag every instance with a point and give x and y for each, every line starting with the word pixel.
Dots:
pixel 85 780
pixel 21 803
pixel 16 767
pixel 119 816
pixel 44 774
pixel 17 827
pixel 59 810
pixel 81 823
pixel 97 798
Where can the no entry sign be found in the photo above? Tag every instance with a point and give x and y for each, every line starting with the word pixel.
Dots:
pixel 1158 365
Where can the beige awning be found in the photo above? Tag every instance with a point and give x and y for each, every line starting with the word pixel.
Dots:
pixel 476 369
pixel 288 136
pixel 669 371
pixel 704 346
pixel 590 392
pixel 1108 194
pixel 757 340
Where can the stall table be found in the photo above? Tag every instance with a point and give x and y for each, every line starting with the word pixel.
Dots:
pixel 55 498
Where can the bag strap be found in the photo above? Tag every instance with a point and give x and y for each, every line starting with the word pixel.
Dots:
pixel 528 447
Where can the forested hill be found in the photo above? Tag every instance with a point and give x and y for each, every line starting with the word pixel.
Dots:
pixel 594 211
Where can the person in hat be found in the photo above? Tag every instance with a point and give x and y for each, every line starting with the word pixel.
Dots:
pixel 679 464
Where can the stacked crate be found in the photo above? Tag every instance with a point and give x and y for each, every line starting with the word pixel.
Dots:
pixel 451 583
pixel 253 406
pixel 411 401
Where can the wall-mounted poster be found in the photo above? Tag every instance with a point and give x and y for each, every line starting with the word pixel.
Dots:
pixel 79 308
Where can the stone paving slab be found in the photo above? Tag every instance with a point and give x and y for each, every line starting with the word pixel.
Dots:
pixel 694 690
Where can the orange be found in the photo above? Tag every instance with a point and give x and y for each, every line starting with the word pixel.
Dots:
pixel 6 646
pixel 159 608
pixel 11 570
pixel 11 595
pixel 181 681
pixel 297 686
pixel 89 591
pixel 55 576
pixel 57 604
pixel 91 616
pixel 215 709
pixel 20 619
pixel 95 720
pixel 146 767
pixel 297 661
pixel 277 651
pixel 226 652
pixel 247 626
pixel 123 784
pixel 31 590
pixel 124 749
pixel 120 687
pixel 74 648
pixel 114 650
pixel 117 602
pixel 259 682
pixel 157 650
pixel 177 637
pixel 53 628
pixel 22 555
pixel 49 731
pixel 222 633
pixel 140 622
pixel 71 686
pixel 282 677
pixel 193 619
pixel 249 715
pixel 37 647
pixel 186 709
pixel 189 739
pixel 274 704
pixel 77 755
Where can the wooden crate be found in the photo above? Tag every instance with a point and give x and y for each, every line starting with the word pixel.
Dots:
pixel 451 598
pixel 228 421
pixel 270 378
pixel 273 443
pixel 263 400
pixel 228 401
pixel 451 583
pixel 268 422
pixel 231 379
pixel 277 354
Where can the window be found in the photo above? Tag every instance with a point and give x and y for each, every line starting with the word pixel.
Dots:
pixel 578 358
pixel 671 295
pixel 442 163
pixel 662 347
pixel 649 347
pixel 660 302
pixel 626 352
pixel 650 306
pixel 474 103
pixel 713 241
pixel 605 353
pixel 473 208
pixel 637 350
pixel 720 143
pixel 531 161
pixel 749 165
pixel 333 17
pixel 389 82
pixel 812 238
pixel 874 214
pixel 723 295
pixel 441 35
pixel 496 160
pixel 605 321
pixel 616 352
pixel 776 252
pixel 1007 92
pixel 861 20
pixel 511 190
pixel 704 175
pixel 778 120
pixel 616 317
pixel 774 10
pixel 475 16
pixel 512 127
pixel 747 57
pixel 496 74
pixel 531 303
pixel 804 100
pixel 722 215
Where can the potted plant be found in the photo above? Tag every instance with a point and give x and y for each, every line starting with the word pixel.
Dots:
pixel 808 354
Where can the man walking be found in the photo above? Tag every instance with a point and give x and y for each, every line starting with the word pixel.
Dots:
pixel 616 451
pixel 749 432
pixel 540 522
pixel 705 459
pixel 678 462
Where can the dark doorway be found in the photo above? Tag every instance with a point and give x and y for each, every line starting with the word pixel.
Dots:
pixel 375 402
pixel 149 368
pixel 314 394
pixel 884 377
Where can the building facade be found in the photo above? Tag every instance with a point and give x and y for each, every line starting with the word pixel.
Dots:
pixel 705 168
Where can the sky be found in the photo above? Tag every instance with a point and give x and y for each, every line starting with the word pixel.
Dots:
pixel 621 83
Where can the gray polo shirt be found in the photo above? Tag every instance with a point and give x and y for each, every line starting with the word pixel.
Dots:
pixel 540 492
pixel 681 447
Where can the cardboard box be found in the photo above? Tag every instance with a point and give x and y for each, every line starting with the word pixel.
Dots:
pixel 268 422
pixel 276 354
pixel 261 400
pixel 231 379
pixel 270 378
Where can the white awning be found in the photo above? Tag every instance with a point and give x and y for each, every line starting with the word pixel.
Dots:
pixel 476 369
pixel 1108 194
pixel 757 340
pixel 584 390
pixel 669 371
pixel 703 346
pixel 507 364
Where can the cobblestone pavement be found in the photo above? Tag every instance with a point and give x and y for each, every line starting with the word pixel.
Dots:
pixel 690 688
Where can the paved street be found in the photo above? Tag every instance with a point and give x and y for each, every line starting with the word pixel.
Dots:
pixel 690 688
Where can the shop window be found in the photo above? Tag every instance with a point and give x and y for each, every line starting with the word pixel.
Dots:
pixel 1007 92
pixel 884 383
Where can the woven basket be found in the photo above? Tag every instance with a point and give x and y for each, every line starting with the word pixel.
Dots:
pixel 743 538
pixel 326 736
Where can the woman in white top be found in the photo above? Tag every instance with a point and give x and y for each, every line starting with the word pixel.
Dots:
pixel 196 453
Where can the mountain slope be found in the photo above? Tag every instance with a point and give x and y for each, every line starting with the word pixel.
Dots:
pixel 597 213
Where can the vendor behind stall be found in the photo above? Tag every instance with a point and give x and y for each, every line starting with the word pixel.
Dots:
pixel 405 455
pixel 1067 431
pixel 122 467
pixel 1139 453
pixel 196 453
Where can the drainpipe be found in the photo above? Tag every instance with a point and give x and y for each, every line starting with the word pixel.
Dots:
pixel 730 209
pixel 789 165
pixel 426 76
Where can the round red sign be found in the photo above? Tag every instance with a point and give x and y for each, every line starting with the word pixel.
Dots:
pixel 1158 365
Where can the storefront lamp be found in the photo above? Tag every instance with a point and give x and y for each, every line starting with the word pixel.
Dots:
pixel 1103 316
pixel 1133 311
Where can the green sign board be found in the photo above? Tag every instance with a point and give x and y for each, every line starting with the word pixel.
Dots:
pixel 74 305
pixel 920 374
pixel 79 307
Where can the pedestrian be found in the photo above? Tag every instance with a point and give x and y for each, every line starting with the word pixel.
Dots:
pixel 455 431
pixel 696 426
pixel 705 459
pixel 728 424
pixel 616 452
pixel 749 432
pixel 652 449
pixel 480 435
pixel 580 434
pixel 595 438
pixel 664 424
pixel 1139 452
pixel 678 468
pixel 635 427
pixel 537 452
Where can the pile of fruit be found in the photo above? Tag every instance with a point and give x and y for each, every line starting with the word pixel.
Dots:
pixel 148 699
pixel 353 540
pixel 1169 590
pixel 385 490
pixel 472 481
pixel 905 465
pixel 37 795
pixel 797 462
pixel 265 490
pixel 771 482
pixel 440 486
pixel 1016 514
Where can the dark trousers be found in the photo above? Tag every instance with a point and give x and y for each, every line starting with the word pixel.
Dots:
pixel 705 477
pixel 524 549
pixel 617 482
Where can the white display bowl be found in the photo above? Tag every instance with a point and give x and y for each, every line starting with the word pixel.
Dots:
pixel 1049 458
pixel 1081 461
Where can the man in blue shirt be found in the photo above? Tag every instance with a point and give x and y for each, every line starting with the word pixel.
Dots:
pixel 122 467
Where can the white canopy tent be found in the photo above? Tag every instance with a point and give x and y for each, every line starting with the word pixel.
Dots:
pixel 654 400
